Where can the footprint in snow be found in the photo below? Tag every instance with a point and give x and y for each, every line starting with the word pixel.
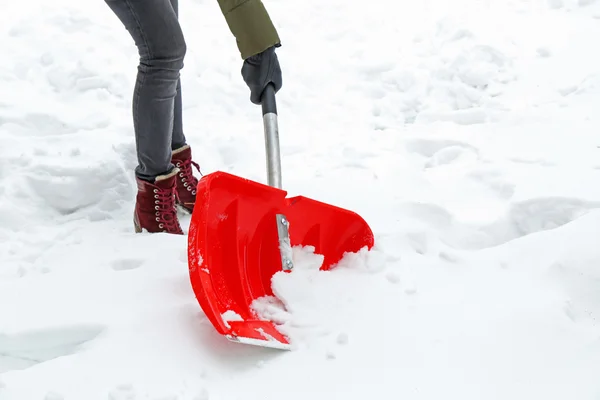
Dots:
pixel 523 218
pixel 450 152
pixel 126 264
pixel 77 185
pixel 495 181
pixel 429 147
pixel 532 216
pixel 26 349
pixel 53 396
pixel 124 391
pixel 393 278
pixel 449 155
pixel 342 338
pixel 40 124
pixel 544 213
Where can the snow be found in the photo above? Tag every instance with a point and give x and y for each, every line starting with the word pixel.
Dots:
pixel 230 315
pixel 465 132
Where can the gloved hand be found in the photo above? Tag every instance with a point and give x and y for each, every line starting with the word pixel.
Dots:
pixel 260 70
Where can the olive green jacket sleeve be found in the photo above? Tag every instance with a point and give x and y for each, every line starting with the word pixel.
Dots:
pixel 250 24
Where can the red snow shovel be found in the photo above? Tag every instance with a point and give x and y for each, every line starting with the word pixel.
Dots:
pixel 242 233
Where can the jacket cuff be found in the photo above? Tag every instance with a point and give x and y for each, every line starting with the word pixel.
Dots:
pixel 252 27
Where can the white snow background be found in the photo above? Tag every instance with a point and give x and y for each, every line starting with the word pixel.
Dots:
pixel 465 132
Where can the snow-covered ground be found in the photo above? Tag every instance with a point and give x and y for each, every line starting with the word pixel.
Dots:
pixel 465 132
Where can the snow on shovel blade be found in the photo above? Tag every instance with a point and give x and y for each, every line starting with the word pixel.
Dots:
pixel 234 249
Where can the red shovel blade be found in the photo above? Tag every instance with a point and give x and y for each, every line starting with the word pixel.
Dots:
pixel 233 249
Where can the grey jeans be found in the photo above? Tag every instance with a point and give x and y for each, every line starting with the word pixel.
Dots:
pixel 157 113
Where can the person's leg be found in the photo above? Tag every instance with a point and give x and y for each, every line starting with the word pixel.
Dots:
pixel 178 140
pixel 155 29
pixel 182 152
pixel 154 26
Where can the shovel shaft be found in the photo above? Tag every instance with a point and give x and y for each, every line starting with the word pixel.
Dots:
pixel 269 111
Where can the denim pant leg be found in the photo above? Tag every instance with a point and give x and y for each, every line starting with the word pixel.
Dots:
pixel 155 29
pixel 178 136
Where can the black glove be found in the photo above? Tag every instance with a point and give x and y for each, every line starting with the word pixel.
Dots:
pixel 260 70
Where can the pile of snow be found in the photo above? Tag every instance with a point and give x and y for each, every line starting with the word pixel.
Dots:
pixel 466 133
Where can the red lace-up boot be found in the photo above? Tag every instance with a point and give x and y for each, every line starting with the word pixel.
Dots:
pixel 155 205
pixel 187 183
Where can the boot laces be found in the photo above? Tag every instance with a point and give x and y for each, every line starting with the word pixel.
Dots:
pixel 190 182
pixel 166 213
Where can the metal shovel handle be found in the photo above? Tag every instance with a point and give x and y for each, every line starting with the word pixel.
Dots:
pixel 269 111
